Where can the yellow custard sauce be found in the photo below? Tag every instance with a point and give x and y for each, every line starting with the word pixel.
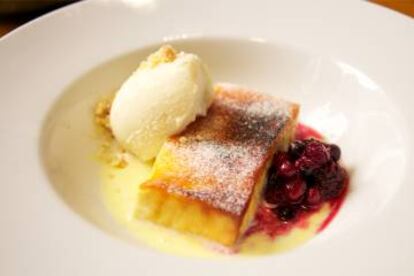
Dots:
pixel 120 187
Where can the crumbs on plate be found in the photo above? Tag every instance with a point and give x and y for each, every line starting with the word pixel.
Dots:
pixel 110 151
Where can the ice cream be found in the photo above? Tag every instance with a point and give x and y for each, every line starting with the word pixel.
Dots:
pixel 166 93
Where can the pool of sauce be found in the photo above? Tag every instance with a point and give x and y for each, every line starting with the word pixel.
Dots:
pixel 120 187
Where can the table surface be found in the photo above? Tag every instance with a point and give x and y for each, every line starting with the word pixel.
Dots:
pixel 403 6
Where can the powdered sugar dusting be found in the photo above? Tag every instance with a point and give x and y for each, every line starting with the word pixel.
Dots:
pixel 223 154
pixel 225 173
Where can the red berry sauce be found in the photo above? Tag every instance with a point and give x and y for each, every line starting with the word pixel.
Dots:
pixel 300 181
pixel 335 206
pixel 303 132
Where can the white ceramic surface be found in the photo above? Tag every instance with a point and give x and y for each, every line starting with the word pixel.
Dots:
pixel 350 64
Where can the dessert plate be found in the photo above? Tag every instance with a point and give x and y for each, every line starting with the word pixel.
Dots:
pixel 349 64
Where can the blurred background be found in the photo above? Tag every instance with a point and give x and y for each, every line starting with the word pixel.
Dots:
pixel 14 13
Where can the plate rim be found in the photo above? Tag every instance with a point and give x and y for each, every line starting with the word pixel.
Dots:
pixel 76 10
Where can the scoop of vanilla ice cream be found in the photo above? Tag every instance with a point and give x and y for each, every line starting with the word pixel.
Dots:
pixel 159 99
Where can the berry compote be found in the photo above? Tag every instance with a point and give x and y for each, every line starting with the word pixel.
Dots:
pixel 300 181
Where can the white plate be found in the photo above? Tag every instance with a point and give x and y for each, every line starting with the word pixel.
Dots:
pixel 349 64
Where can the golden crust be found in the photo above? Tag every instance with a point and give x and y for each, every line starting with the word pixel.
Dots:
pixel 219 159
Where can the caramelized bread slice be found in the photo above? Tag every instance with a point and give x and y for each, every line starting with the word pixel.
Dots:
pixel 208 179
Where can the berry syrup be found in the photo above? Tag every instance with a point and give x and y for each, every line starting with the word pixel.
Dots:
pixel 303 132
pixel 300 181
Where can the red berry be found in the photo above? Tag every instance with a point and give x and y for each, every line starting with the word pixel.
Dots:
pixel 296 149
pixel 275 195
pixel 314 156
pixel 279 159
pixel 330 179
pixel 295 189
pixel 302 178
pixel 313 196
pixel 283 166
pixel 287 169
pixel 272 179
pixel 335 152
pixel 305 164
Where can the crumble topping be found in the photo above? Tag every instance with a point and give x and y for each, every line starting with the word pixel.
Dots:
pixel 102 110
pixel 165 54
pixel 110 151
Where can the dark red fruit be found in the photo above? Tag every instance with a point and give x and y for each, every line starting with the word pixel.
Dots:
pixel 287 169
pixel 296 149
pixel 283 166
pixel 331 180
pixel 285 213
pixel 275 195
pixel 279 159
pixel 314 156
pixel 295 189
pixel 299 182
pixel 313 196
pixel 335 152
pixel 272 179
